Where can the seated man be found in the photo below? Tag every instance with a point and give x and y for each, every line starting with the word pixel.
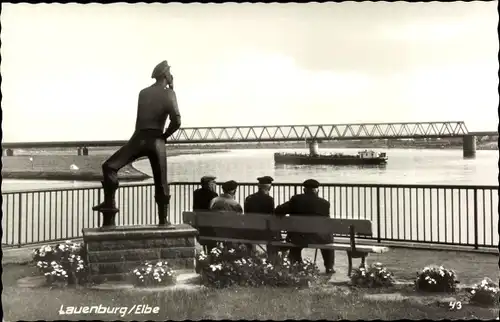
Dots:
pixel 201 202
pixel 260 203
pixel 308 204
pixel 226 202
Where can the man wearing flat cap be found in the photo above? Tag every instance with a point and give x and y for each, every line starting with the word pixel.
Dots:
pixel 156 103
pixel 201 202
pixel 226 202
pixel 260 203
pixel 308 204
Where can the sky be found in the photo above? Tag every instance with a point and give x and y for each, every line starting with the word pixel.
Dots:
pixel 73 72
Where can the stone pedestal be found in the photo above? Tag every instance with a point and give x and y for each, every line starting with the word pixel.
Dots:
pixel 113 252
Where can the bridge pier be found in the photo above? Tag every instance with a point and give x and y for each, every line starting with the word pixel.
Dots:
pixel 469 146
pixel 313 147
pixel 8 152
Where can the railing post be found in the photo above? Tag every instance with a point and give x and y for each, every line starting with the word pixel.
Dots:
pixel 98 203
pixel 378 216
pixel 476 224
pixel 20 224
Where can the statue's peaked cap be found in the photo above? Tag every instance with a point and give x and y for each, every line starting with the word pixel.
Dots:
pixel 160 69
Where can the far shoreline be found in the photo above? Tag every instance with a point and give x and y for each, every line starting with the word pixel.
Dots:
pixel 57 167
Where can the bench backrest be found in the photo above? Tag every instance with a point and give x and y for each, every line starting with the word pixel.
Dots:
pixel 226 220
pixel 321 225
pixel 300 224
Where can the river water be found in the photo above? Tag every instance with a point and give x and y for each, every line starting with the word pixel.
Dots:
pixel 405 166
pixel 439 214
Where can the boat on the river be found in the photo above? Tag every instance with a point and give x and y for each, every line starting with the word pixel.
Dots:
pixel 366 157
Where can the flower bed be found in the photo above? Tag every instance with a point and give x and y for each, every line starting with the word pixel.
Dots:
pixel 436 279
pixel 150 275
pixel 62 264
pixel 376 275
pixel 224 267
pixel 485 293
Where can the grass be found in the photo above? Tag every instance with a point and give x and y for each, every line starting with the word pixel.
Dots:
pixel 327 302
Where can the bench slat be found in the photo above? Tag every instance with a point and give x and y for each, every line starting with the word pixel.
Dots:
pixel 321 225
pixel 335 246
pixel 231 220
pixel 235 240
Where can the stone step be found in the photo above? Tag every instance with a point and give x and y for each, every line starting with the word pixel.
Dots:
pixel 187 276
pixel 185 279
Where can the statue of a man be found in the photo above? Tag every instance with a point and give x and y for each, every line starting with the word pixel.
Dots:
pixel 156 103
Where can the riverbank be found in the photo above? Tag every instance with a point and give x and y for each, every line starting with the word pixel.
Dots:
pixel 88 167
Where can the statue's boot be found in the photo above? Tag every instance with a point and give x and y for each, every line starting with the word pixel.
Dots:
pixel 108 206
pixel 109 203
pixel 162 202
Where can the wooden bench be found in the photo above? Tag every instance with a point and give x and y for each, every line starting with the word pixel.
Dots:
pixel 269 224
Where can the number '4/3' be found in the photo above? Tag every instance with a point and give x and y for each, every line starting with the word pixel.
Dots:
pixel 455 305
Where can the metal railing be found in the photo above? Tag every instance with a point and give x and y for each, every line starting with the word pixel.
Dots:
pixel 442 214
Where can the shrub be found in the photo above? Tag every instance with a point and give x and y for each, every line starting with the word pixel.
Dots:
pixel 147 274
pixel 224 267
pixel 436 279
pixel 62 264
pixel 486 293
pixel 376 275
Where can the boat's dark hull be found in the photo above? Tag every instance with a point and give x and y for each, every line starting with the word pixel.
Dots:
pixel 327 160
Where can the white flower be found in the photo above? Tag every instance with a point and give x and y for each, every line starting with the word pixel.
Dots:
pixel 231 251
pixel 473 292
pixel 216 267
pixel 427 277
pixel 441 267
